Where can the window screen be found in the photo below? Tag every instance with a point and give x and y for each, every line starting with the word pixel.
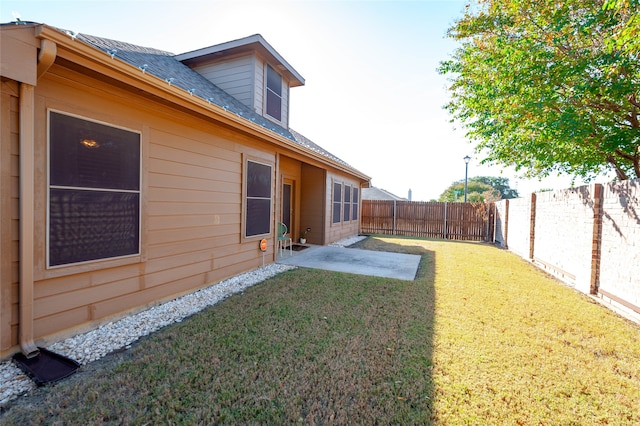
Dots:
pixel 94 191
pixel 347 203
pixel 337 202
pixel 274 94
pixel 258 203
pixel 354 201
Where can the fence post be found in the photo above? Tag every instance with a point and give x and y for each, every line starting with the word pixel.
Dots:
pixel 393 231
pixel 444 229
pixel 486 233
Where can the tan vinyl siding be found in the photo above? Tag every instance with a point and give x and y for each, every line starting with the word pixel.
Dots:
pixel 345 228
pixel 285 103
pixel 313 190
pixel 234 76
pixel 259 85
pixel 191 210
pixel 9 215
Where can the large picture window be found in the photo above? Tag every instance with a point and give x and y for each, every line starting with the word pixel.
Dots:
pixel 274 94
pixel 94 191
pixel 258 199
pixel 337 202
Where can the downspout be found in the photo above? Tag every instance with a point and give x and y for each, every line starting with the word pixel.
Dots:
pixel 27 199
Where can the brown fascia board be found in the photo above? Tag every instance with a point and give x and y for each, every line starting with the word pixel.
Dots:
pixel 74 50
pixel 254 43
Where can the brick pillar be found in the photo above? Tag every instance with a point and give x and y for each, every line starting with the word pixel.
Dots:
pixel 596 239
pixel 506 224
pixel 532 226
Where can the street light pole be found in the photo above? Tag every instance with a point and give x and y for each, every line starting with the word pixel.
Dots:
pixel 466 175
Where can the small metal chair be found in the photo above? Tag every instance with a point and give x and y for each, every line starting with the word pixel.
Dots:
pixel 283 239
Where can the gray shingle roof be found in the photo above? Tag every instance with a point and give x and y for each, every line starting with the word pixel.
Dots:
pixel 165 66
pixel 374 193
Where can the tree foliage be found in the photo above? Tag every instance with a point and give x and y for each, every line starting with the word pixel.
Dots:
pixel 548 86
pixel 501 184
pixel 479 189
pixel 628 36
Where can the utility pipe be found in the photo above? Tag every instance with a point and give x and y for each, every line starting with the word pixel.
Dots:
pixel 27 172
pixel 46 57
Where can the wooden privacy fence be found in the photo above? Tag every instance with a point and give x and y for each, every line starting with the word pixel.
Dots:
pixel 452 221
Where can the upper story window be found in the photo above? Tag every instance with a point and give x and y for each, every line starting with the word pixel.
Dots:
pixel 93 192
pixel 274 94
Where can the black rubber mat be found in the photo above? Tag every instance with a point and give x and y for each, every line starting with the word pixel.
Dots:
pixel 46 367
pixel 297 247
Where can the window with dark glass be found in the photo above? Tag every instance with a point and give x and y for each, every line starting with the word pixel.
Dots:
pixel 354 201
pixel 274 94
pixel 258 199
pixel 94 191
pixel 347 203
pixel 337 202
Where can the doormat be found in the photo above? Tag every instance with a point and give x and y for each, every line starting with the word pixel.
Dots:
pixel 46 367
pixel 298 247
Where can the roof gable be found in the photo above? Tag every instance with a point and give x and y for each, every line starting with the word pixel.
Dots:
pixel 254 43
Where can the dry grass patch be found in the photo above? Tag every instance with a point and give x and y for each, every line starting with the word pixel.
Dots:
pixel 480 337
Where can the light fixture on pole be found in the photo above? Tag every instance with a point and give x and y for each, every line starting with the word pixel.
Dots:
pixel 466 175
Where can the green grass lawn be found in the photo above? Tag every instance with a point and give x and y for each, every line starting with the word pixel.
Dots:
pixel 480 337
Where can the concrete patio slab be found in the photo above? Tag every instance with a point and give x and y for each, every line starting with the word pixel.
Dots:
pixel 355 261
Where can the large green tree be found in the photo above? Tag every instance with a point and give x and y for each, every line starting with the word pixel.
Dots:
pixel 548 86
pixel 479 189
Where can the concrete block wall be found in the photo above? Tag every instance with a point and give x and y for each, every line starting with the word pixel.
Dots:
pixel 501 219
pixel 620 244
pixel 589 237
pixel 564 223
pixel 519 230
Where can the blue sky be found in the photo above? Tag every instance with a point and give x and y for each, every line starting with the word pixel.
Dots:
pixel 372 94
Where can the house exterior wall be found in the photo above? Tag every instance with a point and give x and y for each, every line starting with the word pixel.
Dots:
pixel 243 77
pixel 193 193
pixel 191 210
pixel 9 213
pixel 346 227
pixel 18 55
pixel 258 86
pixel 291 171
pixel 234 75
pixel 313 201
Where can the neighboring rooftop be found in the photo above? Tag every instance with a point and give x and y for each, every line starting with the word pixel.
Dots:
pixel 374 193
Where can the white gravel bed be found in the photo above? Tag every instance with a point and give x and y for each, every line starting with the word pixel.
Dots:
pixel 97 343
pixel 348 241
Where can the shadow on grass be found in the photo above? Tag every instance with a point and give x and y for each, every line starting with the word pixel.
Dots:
pixel 305 346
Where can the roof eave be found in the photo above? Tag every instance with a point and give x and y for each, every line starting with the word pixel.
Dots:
pixel 184 98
